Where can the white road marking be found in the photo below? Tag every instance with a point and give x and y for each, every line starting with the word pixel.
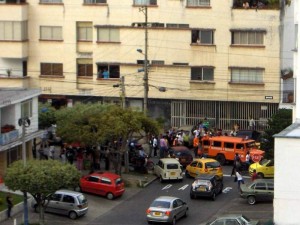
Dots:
pixel 167 187
pixel 227 189
pixel 184 187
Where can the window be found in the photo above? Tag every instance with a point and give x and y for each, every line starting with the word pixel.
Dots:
pixel 228 145
pixel 56 197
pixel 68 199
pixel 244 75
pixel 105 180
pixel 93 179
pixel 239 146
pixel 172 166
pixel 198 3
pixel 55 69
pixel 84 67
pixel 177 25
pixel 203 37
pixel 94 1
pixel 144 2
pixel 247 38
pixel 51 33
pixel 194 164
pixel 84 31
pixel 50 1
pixel 260 186
pixel 199 165
pixel 13 30
pixel 216 143
pixel 202 73
pixel 108 34
pixel 113 71
pixel 271 186
pixel 26 109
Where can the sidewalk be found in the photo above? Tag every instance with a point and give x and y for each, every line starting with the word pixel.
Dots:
pixel 133 181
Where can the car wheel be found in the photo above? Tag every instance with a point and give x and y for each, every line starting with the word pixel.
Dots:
pixel 161 179
pixel 251 200
pixel 72 215
pixel 260 175
pixel 110 196
pixel 213 197
pixel 173 221
pixel 221 158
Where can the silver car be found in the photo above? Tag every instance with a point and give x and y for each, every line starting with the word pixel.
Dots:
pixel 65 202
pixel 166 209
pixel 235 219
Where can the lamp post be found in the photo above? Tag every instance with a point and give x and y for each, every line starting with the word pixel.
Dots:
pixel 24 122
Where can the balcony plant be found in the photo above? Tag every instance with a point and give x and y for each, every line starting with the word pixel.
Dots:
pixel 7 128
pixel 8 71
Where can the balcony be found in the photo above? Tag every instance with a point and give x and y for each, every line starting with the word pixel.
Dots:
pixel 8 137
pixel 256 4
pixel 144 2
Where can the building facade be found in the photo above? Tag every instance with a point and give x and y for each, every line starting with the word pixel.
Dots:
pixel 205 58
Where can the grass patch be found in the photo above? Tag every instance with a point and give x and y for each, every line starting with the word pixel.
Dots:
pixel 16 199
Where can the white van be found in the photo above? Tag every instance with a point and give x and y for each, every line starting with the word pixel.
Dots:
pixel 168 169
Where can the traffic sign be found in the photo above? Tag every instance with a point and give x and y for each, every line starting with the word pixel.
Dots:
pixel 256 158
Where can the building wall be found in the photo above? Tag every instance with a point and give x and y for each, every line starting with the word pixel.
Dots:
pixel 287 185
pixel 170 45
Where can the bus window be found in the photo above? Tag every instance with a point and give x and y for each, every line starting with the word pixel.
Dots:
pixel 228 145
pixel 239 146
pixel 216 143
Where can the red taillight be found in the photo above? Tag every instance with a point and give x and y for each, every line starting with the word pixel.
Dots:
pixel 167 213
pixel 148 211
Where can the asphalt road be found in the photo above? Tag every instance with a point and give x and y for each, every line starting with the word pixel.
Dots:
pixel 132 211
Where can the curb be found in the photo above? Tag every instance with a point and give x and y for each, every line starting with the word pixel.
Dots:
pixel 149 182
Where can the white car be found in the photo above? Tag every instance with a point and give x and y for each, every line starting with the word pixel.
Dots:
pixel 168 169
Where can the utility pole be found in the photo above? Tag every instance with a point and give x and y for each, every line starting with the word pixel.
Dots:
pixel 123 92
pixel 144 9
pixel 24 122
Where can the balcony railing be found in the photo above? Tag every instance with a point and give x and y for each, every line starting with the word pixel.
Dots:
pixel 9 137
pixel 256 4
pixel 198 3
pixel 51 1
pixel 95 1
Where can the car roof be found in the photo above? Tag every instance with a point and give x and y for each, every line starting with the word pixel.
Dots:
pixel 169 160
pixel 230 139
pixel 105 174
pixel 230 216
pixel 263 180
pixel 205 176
pixel 205 160
pixel 166 198
pixel 69 192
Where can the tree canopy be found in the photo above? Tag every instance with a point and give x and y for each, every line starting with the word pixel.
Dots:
pixel 41 178
pixel 46 115
pixel 278 122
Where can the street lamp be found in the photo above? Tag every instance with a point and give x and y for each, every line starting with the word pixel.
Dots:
pixel 24 122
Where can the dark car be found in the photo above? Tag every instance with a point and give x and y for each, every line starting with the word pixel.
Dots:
pixel 206 185
pixel 182 153
pixel 258 190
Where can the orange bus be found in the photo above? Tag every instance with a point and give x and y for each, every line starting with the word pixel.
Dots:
pixel 224 148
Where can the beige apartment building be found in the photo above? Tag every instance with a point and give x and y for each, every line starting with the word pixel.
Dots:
pixel 205 58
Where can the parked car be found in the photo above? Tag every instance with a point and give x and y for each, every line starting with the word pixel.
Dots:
pixel 168 169
pixel 264 168
pixel 234 219
pixel 167 209
pixel 103 183
pixel 65 202
pixel 258 190
pixel 206 185
pixel 204 166
pixel 182 153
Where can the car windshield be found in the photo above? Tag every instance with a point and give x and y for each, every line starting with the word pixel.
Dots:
pixel 172 166
pixel 81 199
pixel 201 182
pixel 263 162
pixel 160 204
pixel 212 165
pixel 245 219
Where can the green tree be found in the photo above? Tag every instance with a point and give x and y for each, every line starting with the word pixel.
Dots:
pixel 41 179
pixel 278 122
pixel 94 124
pixel 46 115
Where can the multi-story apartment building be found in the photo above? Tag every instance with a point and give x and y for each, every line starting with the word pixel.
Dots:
pixel 204 58
pixel 18 122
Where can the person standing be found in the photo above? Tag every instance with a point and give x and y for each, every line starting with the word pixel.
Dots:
pixel 254 175
pixel 240 179
pixel 196 145
pixel 251 123
pixel 155 146
pixel 236 163
pixel 162 146
pixel 9 204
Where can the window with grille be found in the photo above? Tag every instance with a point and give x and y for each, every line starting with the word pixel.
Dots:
pixel 112 70
pixel 108 35
pixel 13 30
pixel 144 2
pixel 198 3
pixel 177 25
pixel 51 1
pixel 84 31
pixel 51 33
pixel 247 38
pixel 84 67
pixel 203 37
pixel 55 69
pixel 245 75
pixel 202 73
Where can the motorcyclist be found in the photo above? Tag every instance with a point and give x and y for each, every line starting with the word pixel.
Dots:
pixel 143 156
